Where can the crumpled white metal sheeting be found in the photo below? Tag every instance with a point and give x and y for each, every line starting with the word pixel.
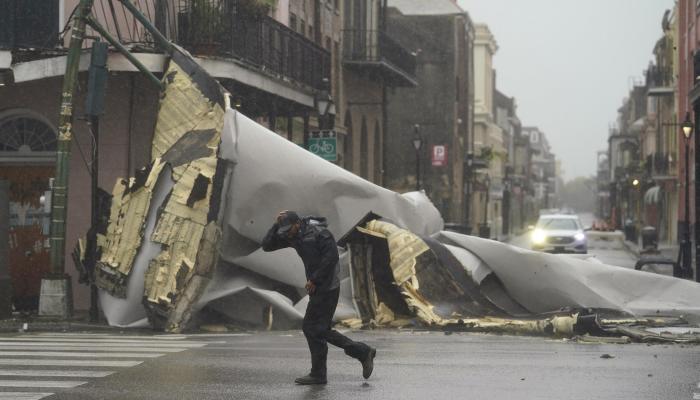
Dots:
pixel 267 174
pixel 543 282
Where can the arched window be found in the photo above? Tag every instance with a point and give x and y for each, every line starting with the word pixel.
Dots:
pixel 364 156
pixel 27 137
pixel 347 143
pixel 377 152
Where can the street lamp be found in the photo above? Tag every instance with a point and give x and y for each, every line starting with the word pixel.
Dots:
pixel 417 144
pixel 685 248
pixel 325 107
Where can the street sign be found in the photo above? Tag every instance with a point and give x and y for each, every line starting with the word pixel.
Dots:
pixel 439 155
pixel 324 145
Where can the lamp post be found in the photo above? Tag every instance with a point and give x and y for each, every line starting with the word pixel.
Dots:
pixel 417 144
pixel 325 108
pixel 685 248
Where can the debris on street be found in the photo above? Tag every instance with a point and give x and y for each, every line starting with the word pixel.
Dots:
pixel 184 235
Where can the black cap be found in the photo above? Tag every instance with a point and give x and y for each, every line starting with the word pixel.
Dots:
pixel 288 219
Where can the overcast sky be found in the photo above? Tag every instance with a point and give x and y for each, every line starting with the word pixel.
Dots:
pixel 570 63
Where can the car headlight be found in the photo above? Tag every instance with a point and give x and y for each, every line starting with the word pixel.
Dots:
pixel 539 237
pixel 580 237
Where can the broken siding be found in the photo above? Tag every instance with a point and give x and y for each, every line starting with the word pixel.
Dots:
pixel 188 133
pixel 125 231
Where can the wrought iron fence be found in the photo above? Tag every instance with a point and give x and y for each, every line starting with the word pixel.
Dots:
pixel 239 29
pixel 236 28
pixel 659 76
pixel 376 46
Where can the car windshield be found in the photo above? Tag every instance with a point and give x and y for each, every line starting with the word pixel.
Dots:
pixel 567 224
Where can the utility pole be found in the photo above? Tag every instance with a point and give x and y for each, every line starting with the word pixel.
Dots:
pixel 56 298
pixel 94 107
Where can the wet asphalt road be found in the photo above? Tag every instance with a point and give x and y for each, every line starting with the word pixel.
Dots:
pixel 409 365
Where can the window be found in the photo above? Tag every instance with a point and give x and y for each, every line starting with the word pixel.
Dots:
pixel 347 150
pixel 364 149
pixel 457 88
pixel 377 152
pixel 558 224
pixel 293 22
pixel 302 27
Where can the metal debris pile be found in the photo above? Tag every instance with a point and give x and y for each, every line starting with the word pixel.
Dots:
pixel 183 241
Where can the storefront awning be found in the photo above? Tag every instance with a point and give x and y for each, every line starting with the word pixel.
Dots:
pixel 652 195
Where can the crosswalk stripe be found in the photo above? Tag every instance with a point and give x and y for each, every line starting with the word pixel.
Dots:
pixel 70 363
pixel 106 336
pixel 77 354
pixel 58 373
pixel 23 395
pixel 121 343
pixel 53 347
pixel 40 384
pixel 73 355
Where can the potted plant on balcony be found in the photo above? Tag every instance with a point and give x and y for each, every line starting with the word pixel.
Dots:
pixel 205 26
pixel 256 8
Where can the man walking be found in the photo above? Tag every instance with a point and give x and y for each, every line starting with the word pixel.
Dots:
pixel 319 252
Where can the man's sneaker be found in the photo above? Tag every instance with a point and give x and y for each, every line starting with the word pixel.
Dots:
pixel 310 380
pixel 368 363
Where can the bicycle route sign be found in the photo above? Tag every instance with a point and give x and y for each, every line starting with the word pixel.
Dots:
pixel 324 146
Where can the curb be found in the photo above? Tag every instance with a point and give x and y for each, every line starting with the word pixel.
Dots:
pixel 15 325
pixel 632 248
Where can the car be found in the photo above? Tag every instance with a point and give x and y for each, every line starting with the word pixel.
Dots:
pixel 559 233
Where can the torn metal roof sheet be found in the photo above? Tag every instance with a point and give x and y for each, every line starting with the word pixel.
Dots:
pixel 185 233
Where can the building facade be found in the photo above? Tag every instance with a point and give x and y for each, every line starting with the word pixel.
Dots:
pixel 438 111
pixel 276 58
pixel 488 139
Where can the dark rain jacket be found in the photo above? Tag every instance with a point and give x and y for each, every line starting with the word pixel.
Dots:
pixel 317 248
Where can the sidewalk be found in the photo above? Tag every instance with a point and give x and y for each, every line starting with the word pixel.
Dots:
pixel 33 323
pixel 667 251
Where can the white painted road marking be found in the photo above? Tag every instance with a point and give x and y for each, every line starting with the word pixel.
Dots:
pixel 40 384
pixel 59 347
pixel 77 354
pixel 23 395
pixel 108 336
pixel 62 373
pixel 32 342
pixel 125 341
pixel 81 350
pixel 69 363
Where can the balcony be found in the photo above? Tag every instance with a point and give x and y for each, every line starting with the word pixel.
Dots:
pixel 660 81
pixel 660 166
pixel 227 28
pixel 373 50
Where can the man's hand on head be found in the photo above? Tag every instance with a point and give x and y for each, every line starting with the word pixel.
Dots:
pixel 310 287
pixel 280 215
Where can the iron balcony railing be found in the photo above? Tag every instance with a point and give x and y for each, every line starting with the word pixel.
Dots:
pixel 659 77
pixel 659 164
pixel 375 46
pixel 228 28
pixel 237 29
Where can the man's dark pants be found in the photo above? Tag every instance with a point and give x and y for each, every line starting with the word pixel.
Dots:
pixel 318 332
